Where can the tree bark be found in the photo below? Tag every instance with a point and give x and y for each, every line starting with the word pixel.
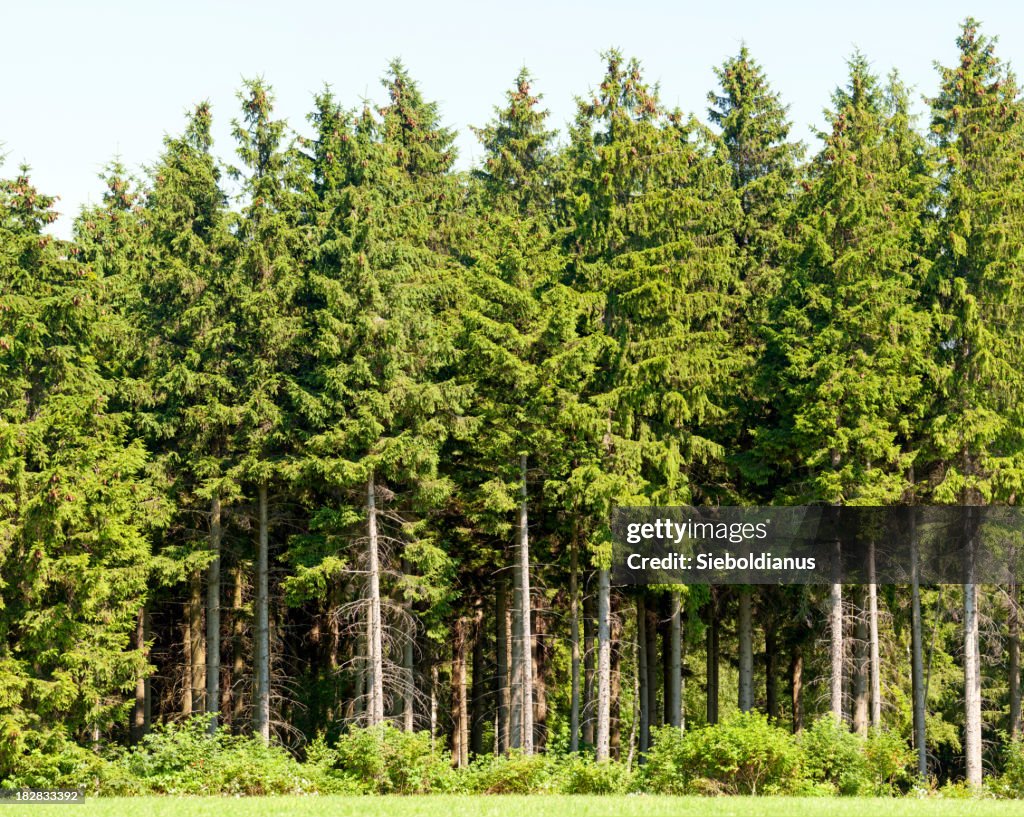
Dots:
pixel 589 654
pixel 972 679
pixel 836 655
pixel 525 622
pixel 261 704
pixel 376 630
pixel 746 639
pixel 213 618
pixel 972 685
pixel 604 665
pixel 501 676
pixel 876 664
pixel 861 670
pixel 147 707
pixel 433 703
pixel 574 641
pixel 460 714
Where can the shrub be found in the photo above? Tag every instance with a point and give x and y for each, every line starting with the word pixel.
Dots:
pixel 890 762
pixel 582 775
pixel 51 760
pixel 743 755
pixel 514 773
pixel 833 756
pixel 384 760
pixel 1011 782
pixel 183 759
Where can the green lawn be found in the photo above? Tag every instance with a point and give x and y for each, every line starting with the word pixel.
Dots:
pixel 536 806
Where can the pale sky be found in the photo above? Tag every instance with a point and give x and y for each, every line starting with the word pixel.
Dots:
pixel 84 82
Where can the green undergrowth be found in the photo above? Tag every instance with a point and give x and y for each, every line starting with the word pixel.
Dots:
pixel 744 755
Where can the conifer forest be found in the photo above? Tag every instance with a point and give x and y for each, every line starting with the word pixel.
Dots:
pixel 313 440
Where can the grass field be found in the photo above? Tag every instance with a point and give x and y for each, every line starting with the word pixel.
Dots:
pixel 536 806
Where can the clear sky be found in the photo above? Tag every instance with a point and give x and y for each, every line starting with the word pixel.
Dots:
pixel 83 82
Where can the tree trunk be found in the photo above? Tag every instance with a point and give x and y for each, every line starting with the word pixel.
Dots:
pixel 574 641
pixel 861 670
pixel 796 687
pixel 746 638
pixel 460 713
pixel 836 671
pixel 501 676
pixel 516 660
pixel 198 644
pixel 237 648
pixel 972 687
pixel 376 631
pixel 433 703
pixel 147 707
pixel 213 618
pixel 479 698
pixel 261 704
pixel 524 615
pixel 604 665
pixel 917 656
pixel 674 705
pixel 138 726
pixel 589 654
pixel 643 709
pixel 876 664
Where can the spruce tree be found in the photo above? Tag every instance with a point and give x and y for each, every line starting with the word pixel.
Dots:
pixel 267 278
pixel 513 265
pixel 848 338
pixel 378 399
pixel 755 130
pixel 184 382
pixel 76 507
pixel 652 218
pixel 977 286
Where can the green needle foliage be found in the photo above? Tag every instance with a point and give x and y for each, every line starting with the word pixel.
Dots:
pixel 850 339
pixel 977 127
pixel 74 542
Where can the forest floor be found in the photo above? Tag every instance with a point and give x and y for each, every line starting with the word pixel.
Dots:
pixel 528 806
